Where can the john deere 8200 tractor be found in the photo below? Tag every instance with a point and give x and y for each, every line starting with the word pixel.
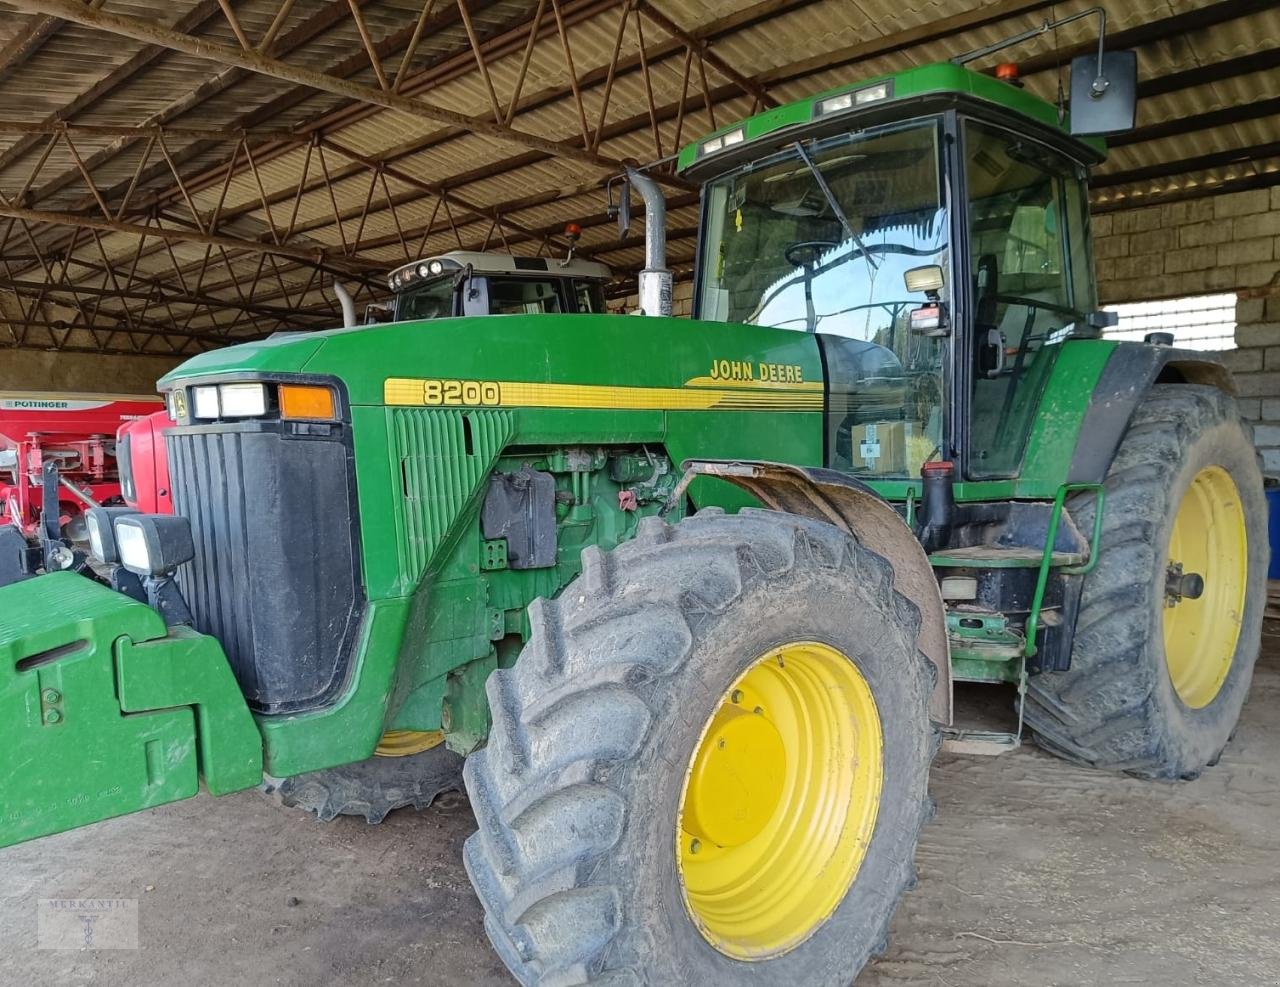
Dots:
pixel 690 595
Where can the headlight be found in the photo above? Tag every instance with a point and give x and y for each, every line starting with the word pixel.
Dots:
pixel 246 400
pixel 423 270
pixel 242 400
pixel 436 267
pixel 153 544
pixel 205 400
pixel 102 536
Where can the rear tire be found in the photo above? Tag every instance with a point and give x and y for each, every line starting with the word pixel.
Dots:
pixel 1118 706
pixel 578 859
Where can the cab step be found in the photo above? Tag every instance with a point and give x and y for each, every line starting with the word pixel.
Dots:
pixel 1002 557
pixel 986 743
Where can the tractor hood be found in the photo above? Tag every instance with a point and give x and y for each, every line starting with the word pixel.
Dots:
pixel 281 353
pixel 590 360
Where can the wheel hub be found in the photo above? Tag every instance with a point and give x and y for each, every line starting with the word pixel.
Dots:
pixel 1205 582
pixel 780 801
pixel 737 778
pixel 404 743
pixel 1179 585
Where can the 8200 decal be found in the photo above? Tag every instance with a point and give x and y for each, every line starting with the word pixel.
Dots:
pixel 469 392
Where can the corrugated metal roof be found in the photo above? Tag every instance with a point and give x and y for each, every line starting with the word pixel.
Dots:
pixel 274 249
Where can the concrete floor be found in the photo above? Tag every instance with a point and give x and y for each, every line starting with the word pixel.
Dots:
pixel 1035 872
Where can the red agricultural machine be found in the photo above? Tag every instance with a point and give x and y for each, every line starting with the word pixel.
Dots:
pixel 144 463
pixel 57 458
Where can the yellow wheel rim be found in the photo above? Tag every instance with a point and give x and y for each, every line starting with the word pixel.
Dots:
pixel 780 801
pixel 1208 540
pixel 402 743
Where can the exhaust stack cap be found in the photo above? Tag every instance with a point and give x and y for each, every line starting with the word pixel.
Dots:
pixel 655 279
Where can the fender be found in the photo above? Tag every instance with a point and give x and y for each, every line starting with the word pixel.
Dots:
pixel 1125 381
pixel 855 508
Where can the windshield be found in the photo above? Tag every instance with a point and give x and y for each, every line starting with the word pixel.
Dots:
pixel 819 238
pixel 432 300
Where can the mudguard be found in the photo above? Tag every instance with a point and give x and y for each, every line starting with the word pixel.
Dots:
pixel 854 507
pixel 1124 383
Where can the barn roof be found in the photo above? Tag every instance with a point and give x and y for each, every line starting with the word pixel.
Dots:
pixel 178 175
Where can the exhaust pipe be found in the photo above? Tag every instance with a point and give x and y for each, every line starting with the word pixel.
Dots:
pixel 348 305
pixel 655 279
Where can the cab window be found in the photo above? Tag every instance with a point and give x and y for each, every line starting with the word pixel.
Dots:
pixel 433 300
pixel 522 296
pixel 590 296
pixel 1028 237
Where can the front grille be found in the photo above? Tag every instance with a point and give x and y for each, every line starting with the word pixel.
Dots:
pixel 275 577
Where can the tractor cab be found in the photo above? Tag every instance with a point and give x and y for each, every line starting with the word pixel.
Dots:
pixel 932 231
pixel 467 283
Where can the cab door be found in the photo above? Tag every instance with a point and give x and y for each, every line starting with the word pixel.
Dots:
pixel 1028 249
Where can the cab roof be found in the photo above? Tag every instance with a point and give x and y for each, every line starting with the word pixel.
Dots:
pixel 875 95
pixel 494 262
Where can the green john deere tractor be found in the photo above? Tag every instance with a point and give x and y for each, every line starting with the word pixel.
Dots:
pixel 697 732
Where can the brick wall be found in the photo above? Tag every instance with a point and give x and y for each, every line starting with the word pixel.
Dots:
pixel 40 370
pixel 1216 244
pixel 1256 368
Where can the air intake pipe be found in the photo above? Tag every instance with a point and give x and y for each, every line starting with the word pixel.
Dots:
pixel 655 279
pixel 348 305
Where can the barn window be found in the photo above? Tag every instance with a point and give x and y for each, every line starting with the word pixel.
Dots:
pixel 1198 322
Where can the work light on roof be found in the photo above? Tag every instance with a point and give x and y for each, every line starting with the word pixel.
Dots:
pixel 722 141
pixel 854 98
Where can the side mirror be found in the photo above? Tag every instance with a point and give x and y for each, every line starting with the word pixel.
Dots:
pixel 622 208
pixel 1104 96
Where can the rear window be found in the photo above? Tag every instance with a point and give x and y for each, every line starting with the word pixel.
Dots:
pixel 520 296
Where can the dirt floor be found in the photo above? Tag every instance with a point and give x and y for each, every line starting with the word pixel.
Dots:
pixel 1035 872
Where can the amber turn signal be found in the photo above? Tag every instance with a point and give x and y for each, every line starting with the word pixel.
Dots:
pixel 306 401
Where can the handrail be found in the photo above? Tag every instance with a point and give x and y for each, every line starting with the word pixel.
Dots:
pixel 1046 560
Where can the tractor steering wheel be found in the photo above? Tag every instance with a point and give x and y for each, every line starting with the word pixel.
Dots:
pixel 806 252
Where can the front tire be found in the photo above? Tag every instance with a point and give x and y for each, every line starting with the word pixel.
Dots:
pixel 1158 678
pixel 646 728
pixel 413 776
